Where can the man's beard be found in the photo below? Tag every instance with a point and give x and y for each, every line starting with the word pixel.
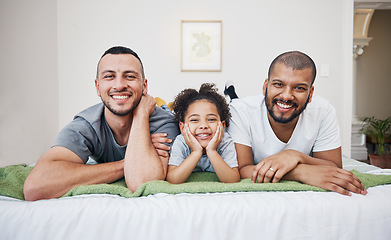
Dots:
pixel 283 119
pixel 121 113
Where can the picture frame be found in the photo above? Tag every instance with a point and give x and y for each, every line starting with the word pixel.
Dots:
pixel 201 45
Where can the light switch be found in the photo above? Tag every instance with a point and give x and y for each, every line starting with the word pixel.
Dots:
pixel 324 70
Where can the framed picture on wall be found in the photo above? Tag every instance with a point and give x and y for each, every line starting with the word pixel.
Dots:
pixel 201 46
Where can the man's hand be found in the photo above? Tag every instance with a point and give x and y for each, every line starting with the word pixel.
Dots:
pixel 158 140
pixel 146 106
pixel 332 178
pixel 274 167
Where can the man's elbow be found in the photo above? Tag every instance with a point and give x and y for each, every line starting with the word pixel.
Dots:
pixel 135 182
pixel 133 186
pixel 32 192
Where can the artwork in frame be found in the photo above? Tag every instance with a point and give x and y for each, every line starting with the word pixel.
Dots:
pixel 201 46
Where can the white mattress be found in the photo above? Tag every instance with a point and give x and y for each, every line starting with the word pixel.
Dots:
pixel 250 215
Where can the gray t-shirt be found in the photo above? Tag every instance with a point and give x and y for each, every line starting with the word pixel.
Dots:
pixel 89 135
pixel 180 151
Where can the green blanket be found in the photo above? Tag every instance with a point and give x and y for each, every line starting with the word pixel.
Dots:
pixel 12 179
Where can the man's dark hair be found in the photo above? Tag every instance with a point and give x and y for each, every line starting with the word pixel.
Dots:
pixel 295 60
pixel 121 50
pixel 207 91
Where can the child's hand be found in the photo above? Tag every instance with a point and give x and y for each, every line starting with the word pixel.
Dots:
pixel 190 140
pixel 216 140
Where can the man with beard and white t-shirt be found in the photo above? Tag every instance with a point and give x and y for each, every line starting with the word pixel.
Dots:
pixel 287 133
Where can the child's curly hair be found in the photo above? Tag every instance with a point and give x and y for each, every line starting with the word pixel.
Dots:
pixel 208 91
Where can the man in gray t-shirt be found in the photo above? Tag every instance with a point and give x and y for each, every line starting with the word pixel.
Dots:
pixel 89 135
pixel 126 134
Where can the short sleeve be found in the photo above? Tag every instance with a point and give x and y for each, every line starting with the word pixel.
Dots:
pixel 79 137
pixel 163 122
pixel 179 151
pixel 228 151
pixel 239 128
pixel 328 135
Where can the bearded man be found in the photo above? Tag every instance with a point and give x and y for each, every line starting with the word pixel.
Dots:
pixel 288 133
pixel 120 134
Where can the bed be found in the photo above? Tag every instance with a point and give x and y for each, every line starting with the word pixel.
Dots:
pixel 289 214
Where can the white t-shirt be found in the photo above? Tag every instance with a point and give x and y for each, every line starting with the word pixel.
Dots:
pixel 317 129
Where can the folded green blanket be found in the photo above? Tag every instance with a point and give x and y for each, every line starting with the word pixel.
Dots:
pixel 12 179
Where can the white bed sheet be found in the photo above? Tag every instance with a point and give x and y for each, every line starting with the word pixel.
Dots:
pixel 250 215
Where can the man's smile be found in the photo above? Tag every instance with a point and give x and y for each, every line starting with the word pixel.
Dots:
pixel 121 97
pixel 284 105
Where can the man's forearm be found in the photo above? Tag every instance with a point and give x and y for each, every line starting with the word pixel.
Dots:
pixel 142 163
pixel 316 161
pixel 53 179
pixel 295 174
pixel 246 171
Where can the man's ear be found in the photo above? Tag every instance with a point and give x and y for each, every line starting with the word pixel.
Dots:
pixel 311 94
pixel 145 87
pixel 264 87
pixel 97 87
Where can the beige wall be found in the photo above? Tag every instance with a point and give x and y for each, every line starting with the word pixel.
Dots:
pixel 50 50
pixel 29 79
pixel 254 33
pixel 373 86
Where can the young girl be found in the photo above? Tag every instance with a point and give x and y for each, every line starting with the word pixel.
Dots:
pixel 203 144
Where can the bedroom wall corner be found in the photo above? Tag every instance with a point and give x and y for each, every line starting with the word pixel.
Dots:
pixel 347 85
